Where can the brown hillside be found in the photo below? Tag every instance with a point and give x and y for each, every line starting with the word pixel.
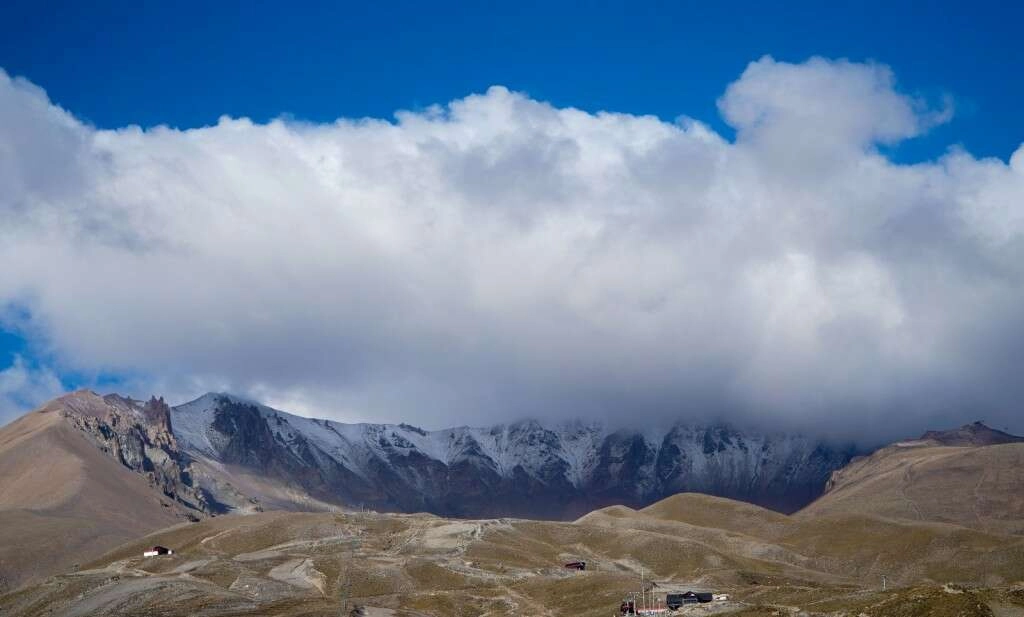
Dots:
pixel 849 548
pixel 981 487
pixel 720 513
pixel 62 501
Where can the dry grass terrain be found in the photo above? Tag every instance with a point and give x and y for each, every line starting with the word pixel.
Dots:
pixel 978 487
pixel 310 564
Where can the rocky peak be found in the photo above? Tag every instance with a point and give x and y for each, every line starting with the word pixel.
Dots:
pixel 157 412
pixel 78 403
pixel 137 434
pixel 973 434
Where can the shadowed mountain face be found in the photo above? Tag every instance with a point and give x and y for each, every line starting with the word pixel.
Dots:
pixel 223 454
pixel 526 469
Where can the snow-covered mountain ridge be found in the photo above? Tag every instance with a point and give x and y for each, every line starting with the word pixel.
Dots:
pixel 557 470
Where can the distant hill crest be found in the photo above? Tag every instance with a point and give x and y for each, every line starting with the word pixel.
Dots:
pixel 973 434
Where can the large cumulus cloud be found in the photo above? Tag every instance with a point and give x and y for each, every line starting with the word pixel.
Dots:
pixel 499 257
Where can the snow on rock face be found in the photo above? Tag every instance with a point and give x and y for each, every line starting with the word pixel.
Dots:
pixel 191 421
pixel 524 468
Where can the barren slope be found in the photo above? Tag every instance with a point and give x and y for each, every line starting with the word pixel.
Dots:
pixel 981 487
pixel 62 501
pixel 846 548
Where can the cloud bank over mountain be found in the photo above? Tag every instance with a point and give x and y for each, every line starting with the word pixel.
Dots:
pixel 499 257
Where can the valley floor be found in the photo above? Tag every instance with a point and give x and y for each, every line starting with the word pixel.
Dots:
pixel 292 564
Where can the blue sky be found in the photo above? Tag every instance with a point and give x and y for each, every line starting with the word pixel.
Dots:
pixel 184 65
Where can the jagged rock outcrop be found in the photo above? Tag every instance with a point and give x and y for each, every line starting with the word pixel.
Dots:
pixel 141 437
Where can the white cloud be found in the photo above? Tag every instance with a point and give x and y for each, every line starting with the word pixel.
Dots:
pixel 23 387
pixel 500 256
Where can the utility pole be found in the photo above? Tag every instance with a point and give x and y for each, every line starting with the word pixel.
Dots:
pixel 883 582
pixel 346 583
pixel 643 593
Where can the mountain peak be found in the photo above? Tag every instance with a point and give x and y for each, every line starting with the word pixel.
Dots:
pixel 213 397
pixel 973 434
pixel 80 402
pixel 207 453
